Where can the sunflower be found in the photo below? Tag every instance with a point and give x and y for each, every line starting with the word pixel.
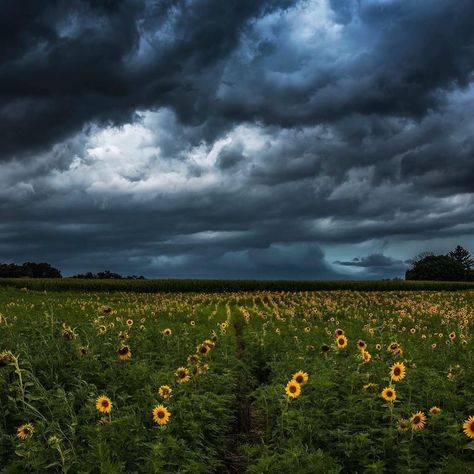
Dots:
pixel 167 332
pixel 366 356
pixel 361 345
pixel 293 389
pixel 307 329
pixel 124 353
pixel 435 410
pixel 103 404
pixel 102 329
pixel 203 349
pixel 341 342
pixel 161 415
pixel 129 322
pixel 397 371
pixel 83 351
pixel 300 377
pixel 339 332
pixel 403 426
pixel 389 394
pixel 452 335
pixel 370 387
pixel 25 431
pixel 418 421
pixel 193 359
pixel 468 426
pixel 378 347
pixel 182 374
pixel 165 391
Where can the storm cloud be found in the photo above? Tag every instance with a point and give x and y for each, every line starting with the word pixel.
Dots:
pixel 242 139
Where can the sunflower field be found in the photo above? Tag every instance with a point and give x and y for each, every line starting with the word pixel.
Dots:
pixel 258 382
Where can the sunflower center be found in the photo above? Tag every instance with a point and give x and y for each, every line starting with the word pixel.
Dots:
pixel 292 389
pixel 416 420
pixel 397 371
pixel 161 414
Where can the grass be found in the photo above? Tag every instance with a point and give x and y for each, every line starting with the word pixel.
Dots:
pixel 233 414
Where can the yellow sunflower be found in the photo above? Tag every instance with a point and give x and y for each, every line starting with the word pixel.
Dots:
pixel 203 349
pixel 468 426
pixel 129 322
pixel 182 374
pixel 167 332
pixel 418 421
pixel 293 389
pixel 165 391
pixel 389 394
pixel 161 415
pixel 341 342
pixel 124 353
pixel 397 371
pixel 403 425
pixel 435 410
pixel 25 431
pixel 361 345
pixel 366 356
pixel 301 377
pixel 339 332
pixel 103 404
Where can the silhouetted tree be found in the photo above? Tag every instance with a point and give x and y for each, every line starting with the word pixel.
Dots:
pixel 29 269
pixel 462 256
pixel 436 267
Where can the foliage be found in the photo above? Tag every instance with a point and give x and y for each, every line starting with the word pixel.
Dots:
pixel 29 270
pixel 436 267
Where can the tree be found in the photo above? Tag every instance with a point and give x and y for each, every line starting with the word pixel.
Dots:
pixel 436 267
pixel 462 256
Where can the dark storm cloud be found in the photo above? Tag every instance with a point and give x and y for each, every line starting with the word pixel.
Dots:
pixel 64 63
pixel 240 138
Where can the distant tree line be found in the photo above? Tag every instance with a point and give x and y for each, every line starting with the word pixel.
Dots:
pixel 107 275
pixel 457 265
pixel 46 270
pixel 28 270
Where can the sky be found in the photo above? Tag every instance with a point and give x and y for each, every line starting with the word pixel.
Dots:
pixel 282 139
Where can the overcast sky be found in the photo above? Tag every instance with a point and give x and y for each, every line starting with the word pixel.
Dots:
pixel 236 138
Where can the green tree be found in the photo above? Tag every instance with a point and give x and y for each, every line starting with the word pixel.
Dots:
pixel 436 267
pixel 461 255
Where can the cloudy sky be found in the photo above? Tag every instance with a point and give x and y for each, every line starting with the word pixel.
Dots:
pixel 236 138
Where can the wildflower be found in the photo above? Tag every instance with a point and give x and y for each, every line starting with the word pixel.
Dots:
pixel 300 377
pixel 182 374
pixel 161 415
pixel 361 345
pixel 435 410
pixel 203 349
pixel 370 387
pixel 341 342
pixel 165 391
pixel 403 426
pixel 468 426
pixel 25 431
pixel 293 389
pixel 418 421
pixel 83 351
pixel 389 394
pixel 397 371
pixel 124 353
pixel 103 404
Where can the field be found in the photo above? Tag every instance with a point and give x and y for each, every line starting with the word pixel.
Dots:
pixel 194 382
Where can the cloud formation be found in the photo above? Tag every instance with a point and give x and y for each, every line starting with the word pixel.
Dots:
pixel 270 139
